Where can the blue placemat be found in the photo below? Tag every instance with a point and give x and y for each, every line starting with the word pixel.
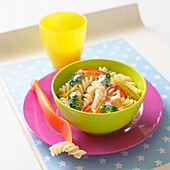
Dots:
pixel 153 152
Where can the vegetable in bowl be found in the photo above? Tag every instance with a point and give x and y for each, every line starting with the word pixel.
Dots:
pixel 108 107
pixel 91 118
pixel 75 101
pixel 99 91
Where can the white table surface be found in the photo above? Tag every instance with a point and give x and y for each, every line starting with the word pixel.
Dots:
pixel 16 152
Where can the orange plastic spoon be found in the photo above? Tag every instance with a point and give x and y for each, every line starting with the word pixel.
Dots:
pixel 59 123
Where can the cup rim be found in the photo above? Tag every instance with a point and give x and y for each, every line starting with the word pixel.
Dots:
pixel 64 12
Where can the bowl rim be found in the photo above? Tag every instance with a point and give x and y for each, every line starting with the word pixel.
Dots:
pixel 108 113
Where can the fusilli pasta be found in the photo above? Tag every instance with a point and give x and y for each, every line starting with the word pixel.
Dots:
pixel 65 88
pixel 67 147
pixel 127 102
pixel 82 87
pixel 103 69
pixel 64 100
pixel 87 98
pixel 97 87
pixel 128 82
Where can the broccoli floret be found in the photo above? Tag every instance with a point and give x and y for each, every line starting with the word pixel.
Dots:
pixel 75 100
pixel 104 79
pixel 75 79
pixel 108 107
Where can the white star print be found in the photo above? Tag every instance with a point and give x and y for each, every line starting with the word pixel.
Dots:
pixel 167 128
pixel 116 47
pixel 128 49
pixel 13 72
pixel 161 150
pixel 26 75
pixel 31 68
pixel 120 42
pixel 83 55
pixel 157 77
pixel 102 161
pixel 88 49
pixel 151 136
pixel 124 153
pixel 48 64
pixel 118 165
pixel 146 146
pixel 153 84
pixel 7 80
pixel 112 53
pixel 37 62
pixel 167 87
pixel 137 57
pixel 62 163
pixel 18 82
pixel 140 158
pixel 158 162
pixel 18 101
pixel 104 45
pixel 147 67
pixel 164 96
pixel 166 139
pixel 85 157
pixel 38 142
pixel 124 56
pixel 44 70
pixel 136 168
pixel 47 158
pixel 100 51
pixel 2 70
pixel 79 167
pixel 12 90
pixel 133 64
pixel 143 74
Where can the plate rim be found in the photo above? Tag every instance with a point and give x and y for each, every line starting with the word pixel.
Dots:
pixel 90 153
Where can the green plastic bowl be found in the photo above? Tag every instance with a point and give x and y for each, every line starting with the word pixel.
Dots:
pixel 98 124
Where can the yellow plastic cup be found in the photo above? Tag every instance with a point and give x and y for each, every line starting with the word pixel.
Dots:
pixel 63 35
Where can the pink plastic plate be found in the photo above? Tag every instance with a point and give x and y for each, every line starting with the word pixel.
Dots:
pixel 141 127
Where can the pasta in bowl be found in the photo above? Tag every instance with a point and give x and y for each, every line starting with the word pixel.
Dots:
pixel 98 96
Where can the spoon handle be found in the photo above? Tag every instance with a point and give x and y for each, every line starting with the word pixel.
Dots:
pixel 59 123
